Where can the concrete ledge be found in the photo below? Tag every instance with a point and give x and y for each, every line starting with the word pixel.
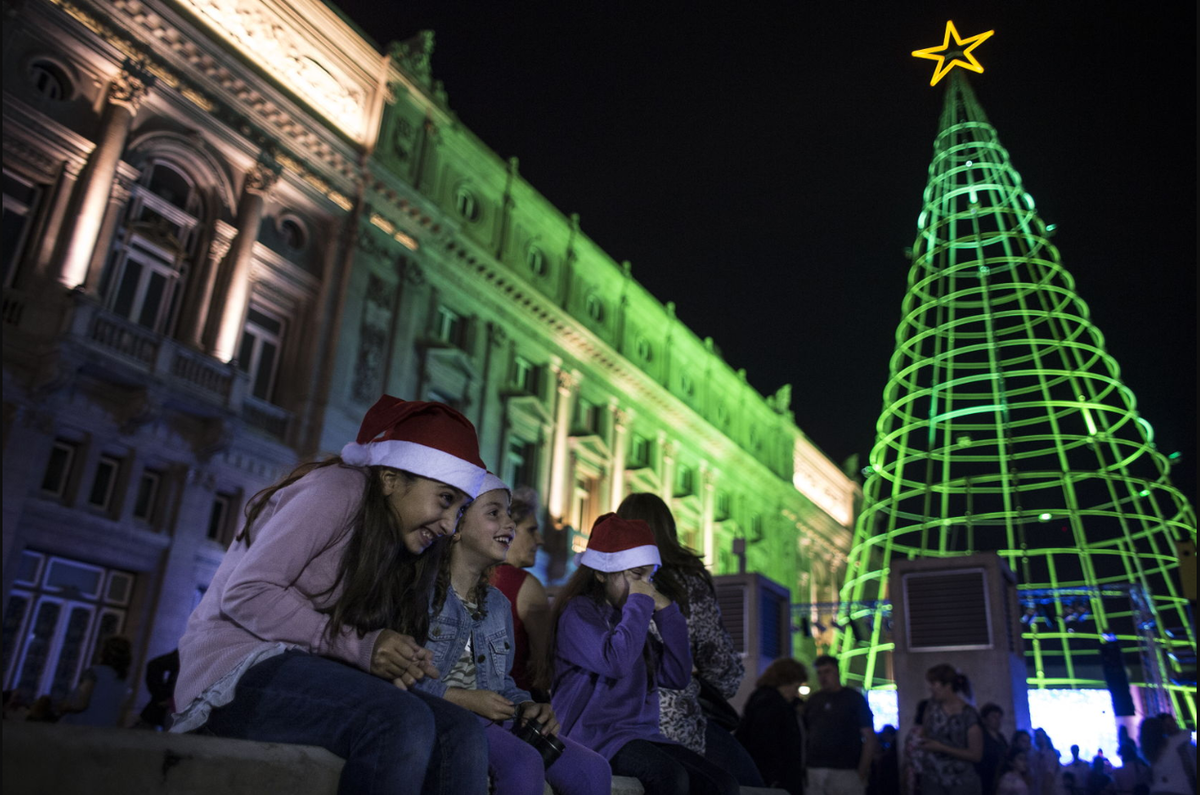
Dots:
pixel 47 759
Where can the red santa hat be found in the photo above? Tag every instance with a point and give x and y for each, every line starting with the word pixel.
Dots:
pixel 427 439
pixel 618 544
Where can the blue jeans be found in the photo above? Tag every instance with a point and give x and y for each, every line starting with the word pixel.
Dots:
pixel 670 769
pixel 394 741
pixel 723 750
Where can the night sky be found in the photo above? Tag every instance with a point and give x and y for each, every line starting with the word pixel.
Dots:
pixel 762 167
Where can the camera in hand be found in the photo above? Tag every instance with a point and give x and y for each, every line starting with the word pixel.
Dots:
pixel 534 732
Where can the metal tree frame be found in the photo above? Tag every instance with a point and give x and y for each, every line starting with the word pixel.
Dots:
pixel 1006 427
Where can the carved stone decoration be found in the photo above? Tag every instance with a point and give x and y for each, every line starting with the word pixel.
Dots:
pixel 138 410
pixel 567 381
pixel 369 364
pixel 262 176
pixel 130 87
pixel 413 56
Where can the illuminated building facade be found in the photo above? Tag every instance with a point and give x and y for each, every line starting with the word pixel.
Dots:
pixel 1006 428
pixel 228 226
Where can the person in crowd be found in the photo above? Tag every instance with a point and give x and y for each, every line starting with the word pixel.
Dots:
pixel 102 688
pixel 1133 776
pixel 608 668
pixel 770 728
pixel 1021 741
pixel 1171 754
pixel 885 769
pixel 1044 765
pixel 312 629
pixel 1078 768
pixel 839 733
pixel 718 667
pixel 1097 781
pixel 995 747
pixel 161 673
pixel 470 635
pixel 529 605
pixel 951 735
pixel 1014 778
pixel 913 758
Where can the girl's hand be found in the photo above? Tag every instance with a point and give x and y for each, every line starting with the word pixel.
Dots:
pixel 540 713
pixel 638 585
pixel 487 703
pixel 401 659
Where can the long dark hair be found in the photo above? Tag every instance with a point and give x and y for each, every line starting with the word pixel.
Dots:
pixel 117 653
pixel 584 584
pixel 383 584
pixel 441 584
pixel 677 561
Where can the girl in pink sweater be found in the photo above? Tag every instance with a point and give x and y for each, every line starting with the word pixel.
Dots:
pixel 312 629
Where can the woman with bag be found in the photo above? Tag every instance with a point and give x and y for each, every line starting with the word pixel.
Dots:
pixel 718 668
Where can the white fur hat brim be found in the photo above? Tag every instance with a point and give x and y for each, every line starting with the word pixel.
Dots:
pixel 620 561
pixel 419 459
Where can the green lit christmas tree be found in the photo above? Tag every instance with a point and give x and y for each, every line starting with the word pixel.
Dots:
pixel 1006 427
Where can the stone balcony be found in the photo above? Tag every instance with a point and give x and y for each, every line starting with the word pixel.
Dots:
pixel 118 350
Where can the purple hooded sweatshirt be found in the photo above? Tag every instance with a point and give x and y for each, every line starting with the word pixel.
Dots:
pixel 600 693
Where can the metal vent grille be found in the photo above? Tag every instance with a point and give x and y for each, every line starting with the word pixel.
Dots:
pixel 947 611
pixel 732 600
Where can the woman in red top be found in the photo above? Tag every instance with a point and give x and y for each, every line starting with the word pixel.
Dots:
pixel 530 607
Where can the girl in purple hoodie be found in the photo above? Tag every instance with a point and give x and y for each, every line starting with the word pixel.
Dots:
pixel 608 668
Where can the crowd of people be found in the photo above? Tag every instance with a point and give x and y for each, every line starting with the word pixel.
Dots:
pixel 379 604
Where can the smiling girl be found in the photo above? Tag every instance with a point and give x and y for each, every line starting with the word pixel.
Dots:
pixel 471 639
pixel 311 630
pixel 607 667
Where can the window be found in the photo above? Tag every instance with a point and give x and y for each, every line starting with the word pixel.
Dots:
pixel 466 204
pixel 639 452
pixel 448 326
pixel 20 201
pixel 525 375
pixel 645 350
pixel 684 481
pixel 292 233
pixel 58 468
pixel 218 517
pixel 56 616
pixel 595 308
pixel 262 341
pixel 536 261
pixel 756 528
pixel 146 503
pixel 49 80
pixel 521 463
pixel 152 252
pixel 723 506
pixel 108 468
pixel 584 421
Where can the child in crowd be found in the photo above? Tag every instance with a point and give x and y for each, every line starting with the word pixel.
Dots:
pixel 1015 779
pixel 471 638
pixel 608 670
pixel 525 592
pixel 312 629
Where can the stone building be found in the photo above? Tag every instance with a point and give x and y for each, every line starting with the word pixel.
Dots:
pixel 228 227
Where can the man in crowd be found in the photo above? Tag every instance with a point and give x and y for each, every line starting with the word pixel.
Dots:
pixel 841 735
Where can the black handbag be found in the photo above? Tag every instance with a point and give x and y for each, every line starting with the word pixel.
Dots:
pixel 716 708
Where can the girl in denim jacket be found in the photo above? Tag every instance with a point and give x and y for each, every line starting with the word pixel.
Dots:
pixel 470 636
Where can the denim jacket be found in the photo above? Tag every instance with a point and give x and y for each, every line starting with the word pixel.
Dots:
pixel 491 638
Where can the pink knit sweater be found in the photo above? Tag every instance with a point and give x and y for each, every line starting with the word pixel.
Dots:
pixel 268 593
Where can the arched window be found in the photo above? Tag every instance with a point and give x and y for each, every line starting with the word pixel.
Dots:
pixel 153 250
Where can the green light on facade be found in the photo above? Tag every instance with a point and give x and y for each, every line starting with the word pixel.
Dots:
pixel 1001 397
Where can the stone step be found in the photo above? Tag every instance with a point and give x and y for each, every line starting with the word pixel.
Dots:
pixel 48 759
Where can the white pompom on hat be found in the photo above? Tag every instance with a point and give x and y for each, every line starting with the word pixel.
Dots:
pixel 428 439
pixel 618 544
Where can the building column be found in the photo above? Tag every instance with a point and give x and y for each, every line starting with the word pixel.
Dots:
pixel 95 184
pixel 190 328
pixel 620 446
pixel 121 190
pixel 561 484
pixel 231 289
pixel 708 491
pixel 667 484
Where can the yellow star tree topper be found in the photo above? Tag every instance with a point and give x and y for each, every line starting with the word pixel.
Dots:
pixel 949 56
